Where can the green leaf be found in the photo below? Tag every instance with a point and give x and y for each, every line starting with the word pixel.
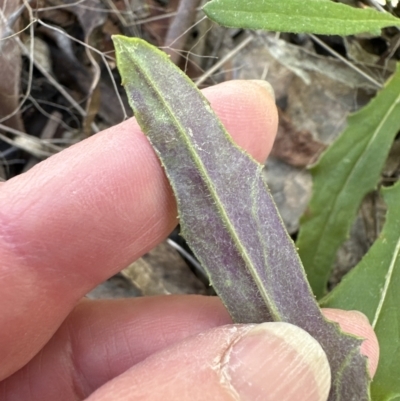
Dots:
pixel 226 212
pixel 312 16
pixel 373 287
pixel 346 172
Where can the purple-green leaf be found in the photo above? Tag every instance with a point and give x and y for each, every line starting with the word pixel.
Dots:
pixel 227 214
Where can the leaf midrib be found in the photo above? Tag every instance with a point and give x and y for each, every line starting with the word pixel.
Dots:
pixel 301 17
pixel 388 279
pixel 201 168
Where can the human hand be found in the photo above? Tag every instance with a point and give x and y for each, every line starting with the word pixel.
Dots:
pixel 83 215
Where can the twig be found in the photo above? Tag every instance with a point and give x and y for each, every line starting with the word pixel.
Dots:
pixel 190 51
pixel 114 10
pixel 226 58
pixel 199 268
pixel 30 54
pixel 8 151
pixel 50 78
pixel 53 82
pixel 155 18
pixel 347 62
pixel 16 33
pixel 121 103
pixel 48 133
pixel 11 20
pixel 215 50
pixel 61 107
pixel 59 6
pixel 375 4
pixel 118 13
pixel 29 146
pixel 180 26
pixel 393 51
pixel 57 117
pixel 102 55
pixel 30 138
pixel 28 143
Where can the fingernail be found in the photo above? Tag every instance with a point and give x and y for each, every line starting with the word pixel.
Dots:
pixel 266 85
pixel 277 362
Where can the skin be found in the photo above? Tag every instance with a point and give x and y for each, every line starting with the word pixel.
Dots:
pixel 81 216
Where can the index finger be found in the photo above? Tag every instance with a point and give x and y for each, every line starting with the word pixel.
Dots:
pixel 86 213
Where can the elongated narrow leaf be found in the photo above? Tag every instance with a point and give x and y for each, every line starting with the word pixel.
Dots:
pixel 346 172
pixel 373 287
pixel 298 16
pixel 226 212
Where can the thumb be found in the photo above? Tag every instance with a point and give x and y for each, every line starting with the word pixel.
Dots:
pixel 269 362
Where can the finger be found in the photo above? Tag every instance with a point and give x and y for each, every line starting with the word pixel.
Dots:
pixel 86 213
pixel 271 361
pixel 102 339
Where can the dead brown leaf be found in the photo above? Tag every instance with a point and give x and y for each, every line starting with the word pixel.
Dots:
pixel 162 271
pixel 91 17
pixel 10 66
pixel 295 147
pixel 157 27
pixel 177 34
